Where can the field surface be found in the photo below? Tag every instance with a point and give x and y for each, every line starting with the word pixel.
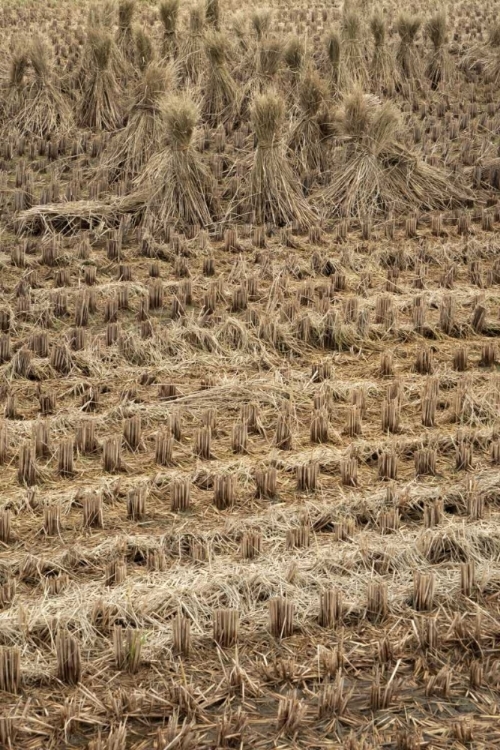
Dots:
pixel 249 376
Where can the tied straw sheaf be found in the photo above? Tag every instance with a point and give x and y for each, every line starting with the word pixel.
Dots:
pixel 311 161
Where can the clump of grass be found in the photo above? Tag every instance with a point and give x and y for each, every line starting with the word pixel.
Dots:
pixel 192 51
pixel 407 55
pixel 144 135
pixel 169 15
pixel 220 96
pixel 353 69
pixel 439 66
pixel 383 70
pixel 307 138
pixel 274 194
pixel 176 186
pixel 375 172
pixel 100 106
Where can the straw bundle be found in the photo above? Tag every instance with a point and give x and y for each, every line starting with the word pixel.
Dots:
pixel 407 55
pixel 353 69
pixel 177 187
pixel 439 66
pixel 169 14
pixel 484 57
pixel 130 150
pixel 42 108
pixel 125 35
pixel 261 21
pixel 15 86
pixel 269 59
pixel 239 29
pixel 144 51
pixel 375 173
pixel 383 70
pixel 100 107
pixel 333 55
pixel 192 50
pixel 220 97
pixel 490 57
pixel 274 194
pixel 294 55
pixel 212 13
pixel 73 216
pixel 120 65
pixel 307 139
pixel 102 14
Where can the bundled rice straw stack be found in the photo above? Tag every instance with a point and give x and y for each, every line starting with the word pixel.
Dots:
pixel 101 102
pixel 374 173
pixel 178 188
pixel 274 193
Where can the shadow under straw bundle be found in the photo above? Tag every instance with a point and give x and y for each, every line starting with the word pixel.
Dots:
pixel 274 195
